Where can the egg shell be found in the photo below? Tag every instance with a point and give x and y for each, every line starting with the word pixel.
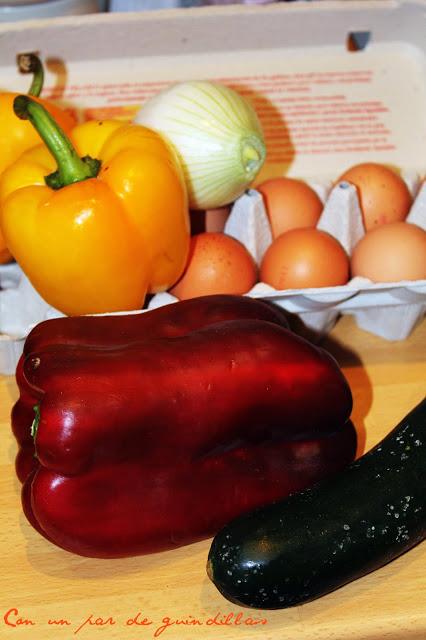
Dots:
pixel 305 258
pixel 290 204
pixel 217 263
pixel 383 195
pixel 391 253
pixel 215 219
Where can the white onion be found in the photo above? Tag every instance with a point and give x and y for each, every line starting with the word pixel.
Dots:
pixel 216 134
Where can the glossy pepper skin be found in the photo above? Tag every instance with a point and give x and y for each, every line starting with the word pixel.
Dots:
pixel 171 320
pixel 108 226
pixel 153 445
pixel 17 135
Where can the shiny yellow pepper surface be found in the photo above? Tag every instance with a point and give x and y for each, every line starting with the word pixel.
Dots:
pixel 108 226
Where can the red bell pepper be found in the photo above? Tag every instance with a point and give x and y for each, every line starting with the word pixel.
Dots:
pixel 157 443
pixel 113 330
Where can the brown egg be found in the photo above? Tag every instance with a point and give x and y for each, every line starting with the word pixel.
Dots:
pixel 303 258
pixel 290 204
pixel 217 263
pixel 391 253
pixel 209 220
pixel 383 195
pixel 216 218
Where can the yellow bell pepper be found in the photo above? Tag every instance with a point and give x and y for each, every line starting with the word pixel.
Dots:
pixel 110 224
pixel 18 135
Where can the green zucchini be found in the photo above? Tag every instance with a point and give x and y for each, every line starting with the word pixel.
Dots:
pixel 315 541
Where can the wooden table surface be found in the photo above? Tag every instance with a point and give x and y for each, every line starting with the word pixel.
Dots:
pixel 42 585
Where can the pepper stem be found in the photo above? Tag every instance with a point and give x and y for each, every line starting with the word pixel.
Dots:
pixel 71 168
pixel 31 63
pixel 36 421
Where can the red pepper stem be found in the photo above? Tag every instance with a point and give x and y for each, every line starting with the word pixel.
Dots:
pixel 36 421
pixel 31 63
pixel 71 168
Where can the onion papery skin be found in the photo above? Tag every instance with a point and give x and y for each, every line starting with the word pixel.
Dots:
pixel 216 134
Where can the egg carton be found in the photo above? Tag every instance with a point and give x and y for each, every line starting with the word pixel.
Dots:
pixel 388 310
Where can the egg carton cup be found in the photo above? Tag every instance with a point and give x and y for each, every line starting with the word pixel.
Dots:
pixel 21 308
pixel 388 310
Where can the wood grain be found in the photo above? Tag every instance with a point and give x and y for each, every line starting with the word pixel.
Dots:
pixel 45 583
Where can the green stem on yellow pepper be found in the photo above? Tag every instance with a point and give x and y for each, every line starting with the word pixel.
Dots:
pixel 31 63
pixel 71 168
